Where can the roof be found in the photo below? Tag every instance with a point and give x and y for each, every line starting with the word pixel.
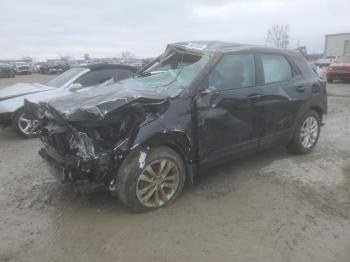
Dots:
pixel 337 34
pixel 224 46
pixel 94 67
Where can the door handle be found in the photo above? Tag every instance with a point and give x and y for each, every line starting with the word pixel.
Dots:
pixel 300 89
pixel 255 97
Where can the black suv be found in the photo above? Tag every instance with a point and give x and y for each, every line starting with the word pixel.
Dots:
pixel 197 105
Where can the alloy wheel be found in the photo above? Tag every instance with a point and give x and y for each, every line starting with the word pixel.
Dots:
pixel 309 132
pixel 158 183
pixel 25 124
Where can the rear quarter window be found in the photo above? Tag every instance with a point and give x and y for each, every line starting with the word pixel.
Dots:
pixel 276 68
pixel 303 65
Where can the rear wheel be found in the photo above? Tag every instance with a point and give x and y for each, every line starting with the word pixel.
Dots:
pixel 306 135
pixel 330 79
pixel 151 179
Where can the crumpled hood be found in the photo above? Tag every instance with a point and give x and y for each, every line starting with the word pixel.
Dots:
pixel 22 89
pixel 95 103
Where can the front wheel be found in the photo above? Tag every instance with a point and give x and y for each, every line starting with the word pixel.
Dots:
pixel 306 135
pixel 23 124
pixel 151 179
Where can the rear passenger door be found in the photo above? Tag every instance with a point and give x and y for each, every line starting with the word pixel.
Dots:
pixel 283 91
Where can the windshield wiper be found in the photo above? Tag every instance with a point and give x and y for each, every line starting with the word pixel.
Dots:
pixel 145 74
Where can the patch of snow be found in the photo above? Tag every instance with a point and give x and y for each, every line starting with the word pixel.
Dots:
pixel 142 159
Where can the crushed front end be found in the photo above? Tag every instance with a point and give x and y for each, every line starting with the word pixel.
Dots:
pixel 88 150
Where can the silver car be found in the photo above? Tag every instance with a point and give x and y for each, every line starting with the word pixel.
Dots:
pixel 71 81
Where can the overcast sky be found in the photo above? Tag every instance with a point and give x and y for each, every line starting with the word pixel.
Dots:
pixel 49 28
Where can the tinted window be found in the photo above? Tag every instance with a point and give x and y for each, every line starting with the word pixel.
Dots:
pixel 124 74
pixel 276 68
pixel 233 71
pixel 63 78
pixel 97 77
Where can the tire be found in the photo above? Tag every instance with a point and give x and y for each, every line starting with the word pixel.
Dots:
pixel 129 182
pixel 300 146
pixel 16 124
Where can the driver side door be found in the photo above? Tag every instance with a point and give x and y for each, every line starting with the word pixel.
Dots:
pixel 230 110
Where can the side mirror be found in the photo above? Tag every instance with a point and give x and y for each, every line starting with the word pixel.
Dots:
pixel 74 87
pixel 205 91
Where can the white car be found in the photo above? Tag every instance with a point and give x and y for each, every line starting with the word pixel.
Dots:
pixel 23 68
pixel 71 81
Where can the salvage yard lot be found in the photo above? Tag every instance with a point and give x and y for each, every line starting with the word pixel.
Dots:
pixel 272 206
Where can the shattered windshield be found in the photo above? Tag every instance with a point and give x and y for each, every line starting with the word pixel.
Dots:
pixel 172 74
pixel 63 78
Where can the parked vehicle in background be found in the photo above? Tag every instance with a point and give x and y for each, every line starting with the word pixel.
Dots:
pixel 340 69
pixel 22 68
pixel 54 67
pixel 72 81
pixel 196 106
pixel 7 70
pixel 326 61
pixel 38 66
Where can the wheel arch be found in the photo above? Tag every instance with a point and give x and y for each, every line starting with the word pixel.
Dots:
pixel 318 110
pixel 177 141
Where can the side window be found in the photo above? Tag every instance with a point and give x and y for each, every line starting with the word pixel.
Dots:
pixel 233 71
pixel 124 74
pixel 276 68
pixel 96 77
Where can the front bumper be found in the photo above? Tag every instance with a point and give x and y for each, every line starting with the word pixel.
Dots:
pixel 24 71
pixel 338 74
pixel 5 119
pixel 54 70
pixel 6 73
pixel 67 168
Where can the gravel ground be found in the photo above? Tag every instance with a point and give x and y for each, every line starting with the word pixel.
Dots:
pixel 268 207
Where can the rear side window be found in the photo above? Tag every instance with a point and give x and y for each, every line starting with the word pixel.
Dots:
pixel 97 77
pixel 232 72
pixel 276 68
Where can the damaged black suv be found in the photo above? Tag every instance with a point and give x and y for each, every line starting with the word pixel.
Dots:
pixel 197 105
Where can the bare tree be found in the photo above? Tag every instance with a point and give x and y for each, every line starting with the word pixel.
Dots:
pixel 278 35
pixel 126 55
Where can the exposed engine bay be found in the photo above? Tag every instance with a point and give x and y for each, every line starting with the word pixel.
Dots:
pixel 90 150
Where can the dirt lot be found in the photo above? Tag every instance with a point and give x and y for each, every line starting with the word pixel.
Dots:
pixel 268 207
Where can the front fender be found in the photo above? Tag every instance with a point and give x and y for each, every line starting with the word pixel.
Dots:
pixel 175 134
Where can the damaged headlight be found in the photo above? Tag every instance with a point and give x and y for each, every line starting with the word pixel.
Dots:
pixel 83 145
